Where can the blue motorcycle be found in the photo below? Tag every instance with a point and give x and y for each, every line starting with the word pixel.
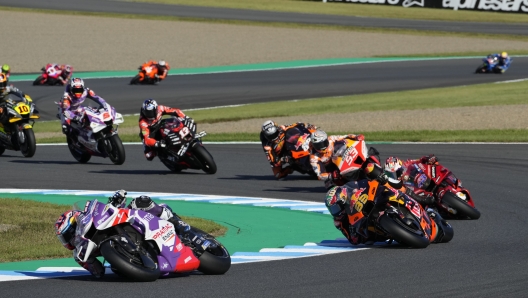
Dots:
pixel 491 64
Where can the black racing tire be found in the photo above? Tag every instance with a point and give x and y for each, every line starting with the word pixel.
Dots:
pixel 135 80
pixel 205 158
pixel 117 154
pixel 448 231
pixel 38 81
pixel 82 157
pixel 213 261
pixel 29 147
pixel 2 149
pixel 122 264
pixel 400 234
pixel 462 208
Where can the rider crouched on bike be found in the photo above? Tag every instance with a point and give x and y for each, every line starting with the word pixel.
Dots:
pixel 504 61
pixel 67 72
pixel 4 91
pixel 71 110
pixel 66 225
pixel 272 138
pixel 321 157
pixel 407 178
pixel 162 67
pixel 149 119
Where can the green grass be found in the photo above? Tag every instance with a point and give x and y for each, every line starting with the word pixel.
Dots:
pixel 31 234
pixel 286 25
pixel 349 9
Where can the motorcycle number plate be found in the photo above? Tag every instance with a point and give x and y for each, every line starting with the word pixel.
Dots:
pixel 22 109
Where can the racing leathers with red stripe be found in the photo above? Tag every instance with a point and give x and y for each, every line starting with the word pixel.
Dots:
pixel 72 109
pixel 276 150
pixel 322 161
pixel 149 133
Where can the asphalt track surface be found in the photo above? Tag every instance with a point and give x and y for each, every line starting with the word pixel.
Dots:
pixel 265 16
pixel 486 258
pixel 220 89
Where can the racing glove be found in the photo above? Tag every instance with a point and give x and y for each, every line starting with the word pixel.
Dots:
pixel 160 144
pixel 431 159
pixel 382 179
pixel 118 199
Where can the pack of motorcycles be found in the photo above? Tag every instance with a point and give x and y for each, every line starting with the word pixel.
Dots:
pixel 391 218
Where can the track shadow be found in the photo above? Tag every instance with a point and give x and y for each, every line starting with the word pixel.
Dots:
pixel 270 178
pixel 146 172
pixel 315 189
pixel 57 162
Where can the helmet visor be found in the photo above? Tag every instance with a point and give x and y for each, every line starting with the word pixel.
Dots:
pixel 272 136
pixel 320 146
pixel 77 91
pixel 150 114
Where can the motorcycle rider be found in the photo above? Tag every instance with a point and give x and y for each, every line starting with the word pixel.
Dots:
pixel 6 70
pixel 67 72
pixel 272 138
pixel 410 182
pixel 4 91
pixel 71 110
pixel 321 157
pixel 149 119
pixel 66 225
pixel 162 67
pixel 57 69
pixel 504 61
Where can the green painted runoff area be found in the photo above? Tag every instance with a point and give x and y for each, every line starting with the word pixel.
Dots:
pixel 230 68
pixel 250 228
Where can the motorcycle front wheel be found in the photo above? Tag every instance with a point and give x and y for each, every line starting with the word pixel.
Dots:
pixel 29 145
pixel 462 208
pixel 38 81
pixel 2 149
pixel 215 259
pixel 135 80
pixel 402 233
pixel 129 266
pixel 205 158
pixel 116 150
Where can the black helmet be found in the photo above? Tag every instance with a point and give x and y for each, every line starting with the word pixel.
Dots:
pixel 149 109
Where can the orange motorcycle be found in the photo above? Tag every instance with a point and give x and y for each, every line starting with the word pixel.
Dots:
pixel 354 161
pixel 147 75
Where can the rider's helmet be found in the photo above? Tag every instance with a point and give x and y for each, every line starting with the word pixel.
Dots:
pixel 394 170
pixel 6 69
pixel 162 63
pixel 77 87
pixel 504 55
pixel 270 130
pixel 65 228
pixel 319 141
pixel 67 68
pixel 149 109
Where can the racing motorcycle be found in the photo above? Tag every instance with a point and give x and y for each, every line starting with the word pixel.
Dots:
pixel 490 64
pixel 297 145
pixel 94 134
pixel 50 76
pixel 142 247
pixel 184 149
pixel 18 116
pixel 392 215
pixel 355 162
pixel 147 75
pixel 451 198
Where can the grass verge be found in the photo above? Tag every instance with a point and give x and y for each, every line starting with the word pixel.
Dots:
pixel 27 230
pixel 278 24
pixel 352 9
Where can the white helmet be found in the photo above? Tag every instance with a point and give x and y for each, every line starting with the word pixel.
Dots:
pixel 319 140
pixel 270 130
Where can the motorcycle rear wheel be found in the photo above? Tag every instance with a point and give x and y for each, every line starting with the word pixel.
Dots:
pixel 404 236
pixel 460 206
pixel 82 157
pixel 213 261
pixel 117 153
pixel 205 158
pixel 124 264
pixel 29 146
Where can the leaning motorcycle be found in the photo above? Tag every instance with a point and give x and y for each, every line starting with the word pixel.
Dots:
pixel 142 247
pixel 354 161
pixel 147 75
pixel 95 134
pixel 50 76
pixel 490 64
pixel 389 214
pixel 451 198
pixel 184 149
pixel 297 146
pixel 18 114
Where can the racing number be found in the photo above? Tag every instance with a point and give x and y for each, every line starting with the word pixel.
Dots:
pixel 360 202
pixel 184 131
pixel 23 109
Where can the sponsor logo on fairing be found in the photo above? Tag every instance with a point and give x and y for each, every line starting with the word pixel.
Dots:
pixel 187 260
pixel 148 217
pixel 163 231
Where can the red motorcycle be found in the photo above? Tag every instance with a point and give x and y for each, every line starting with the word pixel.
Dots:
pixel 184 149
pixel 434 179
pixel 50 76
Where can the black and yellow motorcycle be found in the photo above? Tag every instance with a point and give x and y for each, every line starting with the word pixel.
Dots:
pixel 17 117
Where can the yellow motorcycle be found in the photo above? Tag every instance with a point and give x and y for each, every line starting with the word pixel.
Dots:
pixel 17 117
